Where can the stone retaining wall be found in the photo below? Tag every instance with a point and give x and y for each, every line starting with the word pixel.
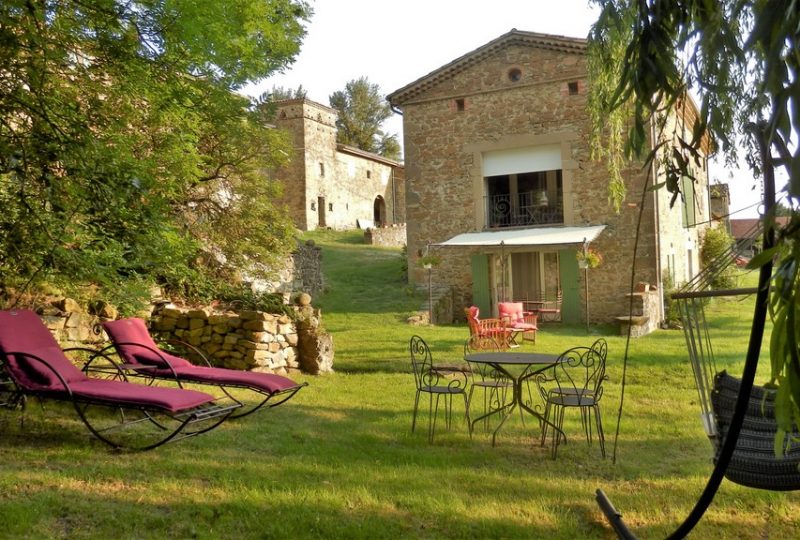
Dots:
pixel 389 236
pixel 301 271
pixel 249 340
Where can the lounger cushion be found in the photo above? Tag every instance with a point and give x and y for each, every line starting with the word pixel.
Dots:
pixel 171 399
pixel 125 333
pixel 524 326
pixel 24 332
pixel 128 331
pixel 511 310
pixel 266 382
pixel 514 313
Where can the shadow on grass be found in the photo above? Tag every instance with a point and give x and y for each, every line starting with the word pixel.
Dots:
pixel 346 465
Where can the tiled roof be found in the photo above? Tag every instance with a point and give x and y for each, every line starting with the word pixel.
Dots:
pixel 742 228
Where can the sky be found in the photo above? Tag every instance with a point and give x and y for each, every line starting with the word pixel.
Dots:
pixel 396 43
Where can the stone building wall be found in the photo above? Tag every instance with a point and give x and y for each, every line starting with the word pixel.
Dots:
pixel 391 236
pixel 328 185
pixel 455 118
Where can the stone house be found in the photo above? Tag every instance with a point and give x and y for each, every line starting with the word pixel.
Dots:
pixel 330 185
pixel 501 186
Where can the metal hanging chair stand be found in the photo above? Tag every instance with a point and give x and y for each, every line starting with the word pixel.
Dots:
pixel 728 444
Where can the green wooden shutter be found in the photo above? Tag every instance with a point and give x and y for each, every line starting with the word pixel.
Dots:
pixel 689 209
pixel 570 286
pixel 481 296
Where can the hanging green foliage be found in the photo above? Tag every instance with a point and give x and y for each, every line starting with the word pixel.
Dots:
pixel 741 59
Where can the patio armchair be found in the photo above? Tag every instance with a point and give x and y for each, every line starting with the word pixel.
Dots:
pixel 119 413
pixel 518 320
pixel 144 358
pixel 489 330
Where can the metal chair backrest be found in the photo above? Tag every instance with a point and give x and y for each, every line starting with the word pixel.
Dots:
pixel 421 360
pixel 580 372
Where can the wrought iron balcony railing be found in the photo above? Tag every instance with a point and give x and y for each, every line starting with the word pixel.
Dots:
pixel 525 209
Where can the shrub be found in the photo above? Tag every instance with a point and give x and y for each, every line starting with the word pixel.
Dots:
pixel 715 251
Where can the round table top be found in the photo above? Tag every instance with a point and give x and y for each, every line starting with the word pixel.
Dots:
pixel 510 357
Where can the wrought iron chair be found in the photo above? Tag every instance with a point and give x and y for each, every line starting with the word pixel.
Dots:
pixel 494 384
pixel 577 383
pixel 487 328
pixel 551 310
pixel 519 321
pixel 436 384
pixel 144 358
pixel 546 310
pixel 110 408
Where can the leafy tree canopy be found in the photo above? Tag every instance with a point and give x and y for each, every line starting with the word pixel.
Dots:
pixel 279 93
pixel 742 58
pixel 124 151
pixel 362 109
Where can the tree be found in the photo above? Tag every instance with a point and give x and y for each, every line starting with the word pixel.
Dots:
pixel 279 93
pixel 742 58
pixel 362 109
pixel 118 120
pixel 715 250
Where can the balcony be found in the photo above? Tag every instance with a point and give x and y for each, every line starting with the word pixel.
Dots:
pixel 527 209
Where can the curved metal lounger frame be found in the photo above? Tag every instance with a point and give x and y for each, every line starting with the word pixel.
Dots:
pixel 216 414
pixel 149 372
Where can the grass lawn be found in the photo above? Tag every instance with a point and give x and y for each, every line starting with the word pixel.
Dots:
pixel 340 461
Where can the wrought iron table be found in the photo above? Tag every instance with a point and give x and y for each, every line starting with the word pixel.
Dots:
pixel 532 364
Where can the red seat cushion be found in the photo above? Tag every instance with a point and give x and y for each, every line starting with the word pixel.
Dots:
pixel 267 382
pixel 513 311
pixel 135 346
pixel 170 399
pixel 126 332
pixel 524 326
pixel 23 331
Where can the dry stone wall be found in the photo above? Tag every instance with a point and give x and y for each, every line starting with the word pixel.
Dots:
pixel 390 236
pixel 248 340
pixel 71 325
pixel 301 271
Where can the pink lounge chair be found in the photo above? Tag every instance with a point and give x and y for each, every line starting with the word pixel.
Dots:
pixel 143 356
pixel 518 320
pixel 35 365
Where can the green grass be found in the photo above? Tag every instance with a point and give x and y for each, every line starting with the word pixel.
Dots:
pixel 339 461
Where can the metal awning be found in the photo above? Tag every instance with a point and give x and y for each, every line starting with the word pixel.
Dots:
pixel 542 236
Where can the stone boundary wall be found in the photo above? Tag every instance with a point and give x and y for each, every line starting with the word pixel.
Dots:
pixel 389 236
pixel 249 340
pixel 74 329
pixel 299 272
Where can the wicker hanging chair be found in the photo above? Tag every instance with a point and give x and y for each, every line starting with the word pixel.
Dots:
pixel 754 462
